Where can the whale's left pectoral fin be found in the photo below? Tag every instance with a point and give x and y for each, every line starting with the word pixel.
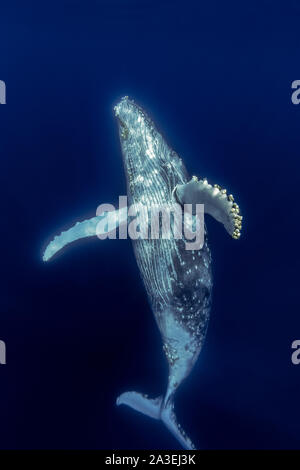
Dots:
pixel 216 202
pixel 100 226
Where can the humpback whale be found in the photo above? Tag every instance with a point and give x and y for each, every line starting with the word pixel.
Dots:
pixel 178 281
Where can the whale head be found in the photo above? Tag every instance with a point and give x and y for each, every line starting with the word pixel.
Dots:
pixel 152 168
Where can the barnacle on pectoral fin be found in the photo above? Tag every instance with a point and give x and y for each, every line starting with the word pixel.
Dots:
pixel 216 203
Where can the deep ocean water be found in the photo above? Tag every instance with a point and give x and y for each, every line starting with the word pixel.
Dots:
pixel 216 79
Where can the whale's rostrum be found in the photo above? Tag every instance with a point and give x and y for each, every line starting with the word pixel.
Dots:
pixel 178 281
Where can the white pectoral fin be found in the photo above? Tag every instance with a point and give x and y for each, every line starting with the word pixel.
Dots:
pixel 100 226
pixel 216 203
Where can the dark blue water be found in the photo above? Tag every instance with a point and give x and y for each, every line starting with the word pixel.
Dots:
pixel 216 78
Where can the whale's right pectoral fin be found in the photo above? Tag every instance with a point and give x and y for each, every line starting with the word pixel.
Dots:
pixel 217 203
pixel 100 226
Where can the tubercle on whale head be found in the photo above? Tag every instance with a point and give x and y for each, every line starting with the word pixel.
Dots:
pixel 151 166
pixel 131 117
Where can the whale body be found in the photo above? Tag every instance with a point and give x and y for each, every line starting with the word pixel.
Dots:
pixel 178 281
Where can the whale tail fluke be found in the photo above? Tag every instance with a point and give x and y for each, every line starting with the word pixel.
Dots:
pixel 157 408
pixel 143 404
pixel 169 419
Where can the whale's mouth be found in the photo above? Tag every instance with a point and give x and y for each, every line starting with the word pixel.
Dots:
pixel 124 131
